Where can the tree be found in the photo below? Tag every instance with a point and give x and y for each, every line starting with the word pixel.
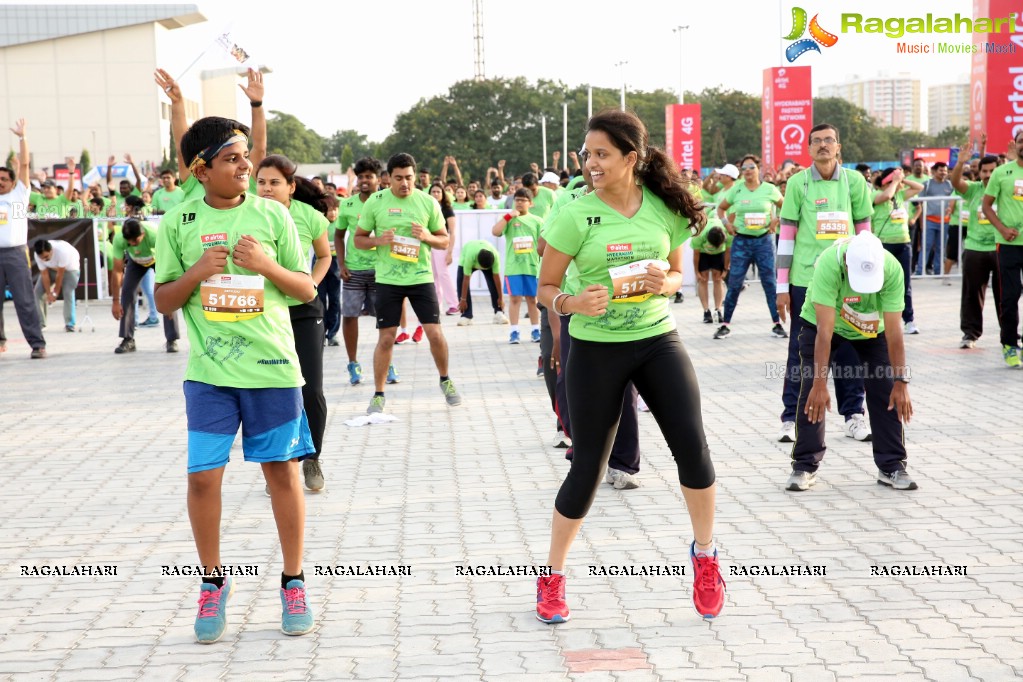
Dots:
pixel 952 136
pixel 286 135
pixel 347 158
pixel 357 143
pixel 85 162
pixel 730 124
pixel 10 161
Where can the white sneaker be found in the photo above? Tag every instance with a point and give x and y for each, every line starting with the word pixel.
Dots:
pixel 787 433
pixel 561 441
pixel 500 317
pixel 911 328
pixel 464 321
pixel 858 428
pixel 620 480
pixel 946 281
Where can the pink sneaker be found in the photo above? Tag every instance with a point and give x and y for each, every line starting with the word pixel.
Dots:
pixel 550 599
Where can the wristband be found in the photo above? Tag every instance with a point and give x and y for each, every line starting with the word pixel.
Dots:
pixel 256 105
pixel 554 304
pixel 508 217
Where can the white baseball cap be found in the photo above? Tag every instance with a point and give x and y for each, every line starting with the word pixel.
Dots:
pixel 729 170
pixel 865 259
pixel 550 177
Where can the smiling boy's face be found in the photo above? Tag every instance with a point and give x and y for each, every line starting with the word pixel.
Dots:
pixel 228 174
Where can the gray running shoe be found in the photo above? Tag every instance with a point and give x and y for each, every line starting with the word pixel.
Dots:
pixel 376 404
pixel 801 480
pixel 967 342
pixel 899 480
pixel 313 474
pixel 450 394
pixel 722 332
pixel 620 479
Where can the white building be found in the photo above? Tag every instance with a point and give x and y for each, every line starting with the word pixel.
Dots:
pixel 947 106
pixel 891 101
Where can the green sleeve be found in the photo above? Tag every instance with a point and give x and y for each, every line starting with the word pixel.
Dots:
pixel 862 205
pixel 118 247
pixel 320 225
pixel 893 299
pixel 729 196
pixel 289 247
pixel 366 220
pixel 437 222
pixel 825 283
pixel 992 188
pixel 563 234
pixel 699 241
pixel 680 232
pixel 775 194
pixel 793 198
pixel 168 266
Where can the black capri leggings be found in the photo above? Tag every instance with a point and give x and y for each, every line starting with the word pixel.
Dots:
pixel 596 377
pixel 307 324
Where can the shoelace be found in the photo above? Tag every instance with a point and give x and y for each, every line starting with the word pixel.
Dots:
pixel 707 573
pixel 295 599
pixel 209 603
pixel 552 588
pixel 449 388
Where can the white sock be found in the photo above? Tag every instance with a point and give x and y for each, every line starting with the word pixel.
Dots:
pixel 709 552
pixel 402 330
pixel 553 572
pixel 515 328
pixel 535 327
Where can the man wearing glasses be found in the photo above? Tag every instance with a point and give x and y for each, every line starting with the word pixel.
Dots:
pixel 823 203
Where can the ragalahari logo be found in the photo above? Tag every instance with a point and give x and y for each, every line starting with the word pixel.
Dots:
pixel 818 35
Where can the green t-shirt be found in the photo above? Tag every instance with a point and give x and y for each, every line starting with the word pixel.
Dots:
pixel 192 188
pixel 311 225
pixel 813 203
pixel 461 205
pixel 570 284
pixel 233 345
pixel 469 259
pixel 144 253
pixel 348 219
pixel 980 233
pixel 520 239
pixel 57 207
pixel 752 209
pixel 1006 186
pixel 406 261
pixel 857 316
pixel 542 202
pixel 119 200
pixel 611 250
pixel 890 221
pixel 164 201
pixel 701 244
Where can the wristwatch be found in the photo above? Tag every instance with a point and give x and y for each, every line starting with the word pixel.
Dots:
pixel 903 379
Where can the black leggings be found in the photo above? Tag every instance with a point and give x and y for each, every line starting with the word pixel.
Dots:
pixel 596 378
pixel 307 324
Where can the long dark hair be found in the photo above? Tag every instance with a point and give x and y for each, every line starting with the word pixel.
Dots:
pixel 654 168
pixel 305 190
pixel 444 201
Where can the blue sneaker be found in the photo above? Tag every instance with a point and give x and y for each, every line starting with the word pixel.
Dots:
pixel 212 619
pixel 534 336
pixel 297 618
pixel 392 375
pixel 514 338
pixel 150 322
pixel 354 373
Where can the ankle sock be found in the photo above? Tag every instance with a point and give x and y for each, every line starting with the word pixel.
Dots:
pixel 709 552
pixel 285 579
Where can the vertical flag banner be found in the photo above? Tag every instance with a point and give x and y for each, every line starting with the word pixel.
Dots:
pixel 996 79
pixel 786 116
pixel 682 133
pixel 232 48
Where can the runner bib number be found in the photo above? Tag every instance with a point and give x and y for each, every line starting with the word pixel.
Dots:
pixel 232 298
pixel 144 261
pixel 899 216
pixel 865 323
pixel 833 225
pixel 4 213
pixel 1017 190
pixel 522 244
pixel 964 215
pixel 405 248
pixel 982 217
pixel 629 283
pixel 755 220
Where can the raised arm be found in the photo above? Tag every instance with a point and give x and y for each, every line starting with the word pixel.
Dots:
pixel 111 160
pixel 958 184
pixel 458 173
pixel 23 157
pixel 254 90
pixel 135 170
pixel 179 120
pixel 69 190
pixel 500 173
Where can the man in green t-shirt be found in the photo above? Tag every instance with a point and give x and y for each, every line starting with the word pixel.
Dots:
pixel 543 198
pixel 1005 189
pixel 168 195
pixel 403 224
pixel 479 255
pixel 980 257
pixel 50 203
pixel 854 300
pixel 138 243
pixel 822 204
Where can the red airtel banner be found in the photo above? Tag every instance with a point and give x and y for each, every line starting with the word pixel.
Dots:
pixel 996 78
pixel 786 116
pixel 682 133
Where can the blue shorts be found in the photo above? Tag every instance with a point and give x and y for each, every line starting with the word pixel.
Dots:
pixel 274 426
pixel 520 285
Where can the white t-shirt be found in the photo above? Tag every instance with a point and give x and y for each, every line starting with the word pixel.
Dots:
pixel 499 202
pixel 64 256
pixel 14 217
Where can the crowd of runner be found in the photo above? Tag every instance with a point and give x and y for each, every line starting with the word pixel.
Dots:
pixel 265 268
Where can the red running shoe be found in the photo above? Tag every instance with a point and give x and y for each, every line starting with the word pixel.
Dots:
pixel 417 335
pixel 550 599
pixel 402 338
pixel 708 585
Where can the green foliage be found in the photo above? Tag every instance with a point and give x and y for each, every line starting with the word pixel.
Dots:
pixel 730 124
pixel 10 161
pixel 358 145
pixel 85 162
pixel 952 136
pixel 347 157
pixel 286 135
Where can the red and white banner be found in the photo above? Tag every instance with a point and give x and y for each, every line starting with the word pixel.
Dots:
pixel 996 77
pixel 786 116
pixel 682 132
pixel 60 175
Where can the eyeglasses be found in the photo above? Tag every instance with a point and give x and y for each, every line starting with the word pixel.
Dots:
pixel 817 141
pixel 749 166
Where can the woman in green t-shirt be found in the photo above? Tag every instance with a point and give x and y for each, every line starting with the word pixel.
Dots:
pixel 461 202
pixel 890 223
pixel 276 181
pixel 624 241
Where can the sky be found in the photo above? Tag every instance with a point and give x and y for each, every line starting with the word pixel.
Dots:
pixel 356 65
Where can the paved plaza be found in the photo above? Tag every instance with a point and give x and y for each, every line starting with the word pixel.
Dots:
pixel 93 471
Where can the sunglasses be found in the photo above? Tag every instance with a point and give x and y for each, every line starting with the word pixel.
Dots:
pixel 749 166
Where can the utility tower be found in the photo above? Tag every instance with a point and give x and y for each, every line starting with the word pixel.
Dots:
pixel 477 37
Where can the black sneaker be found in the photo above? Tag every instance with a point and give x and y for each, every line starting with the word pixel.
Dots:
pixel 779 331
pixel 718 317
pixel 722 332
pixel 679 297
pixel 172 346
pixel 127 346
pixel 707 319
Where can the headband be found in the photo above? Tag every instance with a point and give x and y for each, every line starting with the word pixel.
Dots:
pixel 211 152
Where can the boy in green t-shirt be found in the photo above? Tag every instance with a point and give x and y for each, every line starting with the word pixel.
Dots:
pixel 711 251
pixel 521 232
pixel 229 260
pixel 479 255
pixel 854 300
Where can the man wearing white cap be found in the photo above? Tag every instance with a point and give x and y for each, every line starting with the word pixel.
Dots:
pixel 551 181
pixel 856 294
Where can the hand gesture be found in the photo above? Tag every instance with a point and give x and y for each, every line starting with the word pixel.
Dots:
pixel 654 280
pixel 592 301
pixel 419 232
pixel 168 85
pixel 983 143
pixel 111 160
pixel 385 238
pixel 212 262
pixel 1010 234
pixel 127 159
pixel 50 297
pixel 500 164
pixel 556 156
pixel 900 402
pixel 70 163
pixel 254 88
pixel 19 127
pixel 702 277
pixel 818 402
pixel 573 156
pixel 249 254
pixel 491 171
pixel 783 306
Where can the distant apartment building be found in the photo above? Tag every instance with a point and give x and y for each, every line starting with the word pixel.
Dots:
pixel 891 101
pixel 948 106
